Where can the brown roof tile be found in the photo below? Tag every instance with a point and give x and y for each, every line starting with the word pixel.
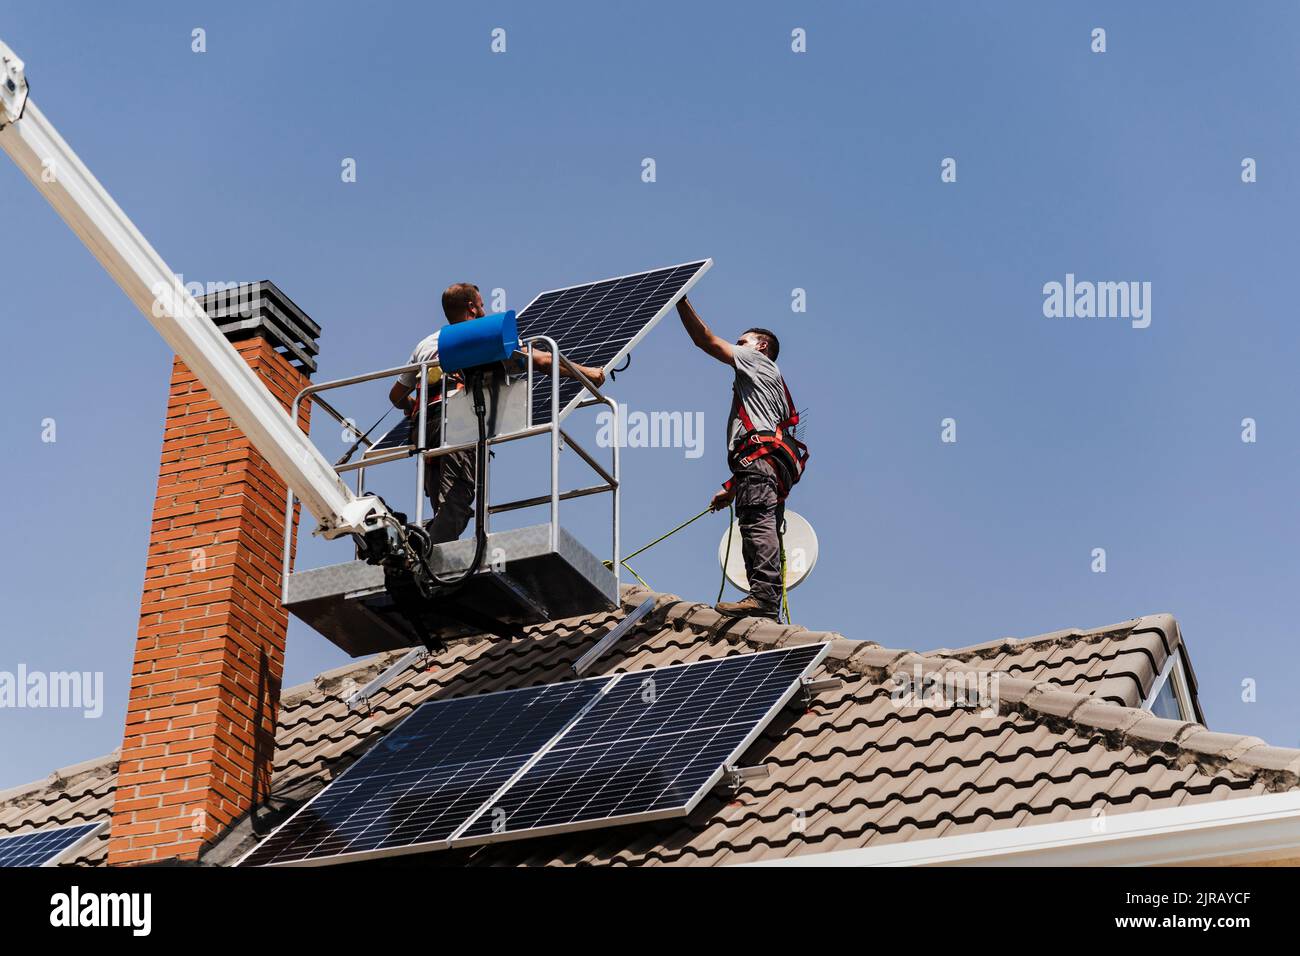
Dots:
pixel 1120 662
pixel 854 768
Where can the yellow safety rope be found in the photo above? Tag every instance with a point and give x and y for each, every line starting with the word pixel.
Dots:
pixel 624 562
pixel 785 601
pixel 634 574
pixel 731 521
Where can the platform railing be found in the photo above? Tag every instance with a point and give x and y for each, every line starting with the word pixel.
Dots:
pixel 559 439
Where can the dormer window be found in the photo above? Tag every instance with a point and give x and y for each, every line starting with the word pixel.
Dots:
pixel 1169 696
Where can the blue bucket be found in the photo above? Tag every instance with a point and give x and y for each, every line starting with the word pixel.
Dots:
pixel 493 338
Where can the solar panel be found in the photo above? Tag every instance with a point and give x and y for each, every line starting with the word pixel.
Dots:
pixel 594 324
pixel 421 782
pixel 44 847
pixel 651 747
pixel 399 436
pixel 595 752
pixel 598 323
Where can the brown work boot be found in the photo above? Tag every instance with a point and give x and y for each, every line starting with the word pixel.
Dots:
pixel 746 607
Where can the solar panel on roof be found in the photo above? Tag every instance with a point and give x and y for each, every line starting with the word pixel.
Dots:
pixel 596 752
pixel 598 323
pixel 44 847
pixel 651 747
pixel 421 782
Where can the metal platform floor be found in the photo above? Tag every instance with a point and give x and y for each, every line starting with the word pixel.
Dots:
pixel 347 603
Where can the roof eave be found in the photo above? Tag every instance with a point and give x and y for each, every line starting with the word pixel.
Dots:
pixel 1249 830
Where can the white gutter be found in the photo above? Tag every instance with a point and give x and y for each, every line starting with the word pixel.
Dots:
pixel 1218 833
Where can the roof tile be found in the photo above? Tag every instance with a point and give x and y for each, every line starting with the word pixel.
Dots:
pixel 860 765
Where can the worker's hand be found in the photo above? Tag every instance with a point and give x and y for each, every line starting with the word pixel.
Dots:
pixel 597 375
pixel 412 405
pixel 722 499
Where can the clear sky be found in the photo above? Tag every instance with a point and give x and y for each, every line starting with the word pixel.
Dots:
pixel 818 171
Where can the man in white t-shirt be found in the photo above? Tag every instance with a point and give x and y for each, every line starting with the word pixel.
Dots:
pixel 449 479
pixel 764 458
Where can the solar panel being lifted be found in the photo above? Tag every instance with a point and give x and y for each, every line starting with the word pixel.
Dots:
pixel 44 847
pixel 597 752
pixel 399 436
pixel 599 323
pixel 593 324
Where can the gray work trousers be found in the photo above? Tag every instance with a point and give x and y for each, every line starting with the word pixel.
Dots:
pixel 449 483
pixel 761 513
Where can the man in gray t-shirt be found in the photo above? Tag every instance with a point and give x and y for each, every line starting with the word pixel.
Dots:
pixel 758 386
pixel 760 406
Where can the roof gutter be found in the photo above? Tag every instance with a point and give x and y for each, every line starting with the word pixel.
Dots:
pixel 1218 833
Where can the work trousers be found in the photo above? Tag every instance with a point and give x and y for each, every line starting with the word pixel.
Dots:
pixel 761 513
pixel 449 483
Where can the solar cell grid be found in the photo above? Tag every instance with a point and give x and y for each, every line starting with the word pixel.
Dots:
pixel 651 746
pixel 595 752
pixel 420 783
pixel 43 846
pixel 598 323
pixel 398 436
pixel 593 324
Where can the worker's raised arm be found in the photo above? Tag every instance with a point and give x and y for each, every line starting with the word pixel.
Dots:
pixel 702 336
pixel 542 364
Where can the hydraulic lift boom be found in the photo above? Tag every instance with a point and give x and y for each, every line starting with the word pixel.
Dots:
pixel 55 170
pixel 403 584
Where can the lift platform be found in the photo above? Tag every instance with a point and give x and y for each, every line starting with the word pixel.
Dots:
pixel 406 590
pixel 349 605
pixel 529 575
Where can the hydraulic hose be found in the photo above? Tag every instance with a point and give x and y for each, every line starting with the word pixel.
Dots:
pixel 480 489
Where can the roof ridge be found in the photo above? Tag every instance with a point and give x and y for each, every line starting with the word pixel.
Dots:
pixel 326 680
pixel 103 766
pixel 760 632
pixel 1164 623
pixel 375 664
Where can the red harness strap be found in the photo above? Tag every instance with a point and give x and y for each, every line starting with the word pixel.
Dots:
pixel 789 455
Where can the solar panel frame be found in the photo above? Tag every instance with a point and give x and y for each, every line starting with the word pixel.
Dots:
pixel 370 766
pixel 541 384
pixel 465 838
pixel 49 847
pixel 601 687
pixel 401 435
pixel 398 438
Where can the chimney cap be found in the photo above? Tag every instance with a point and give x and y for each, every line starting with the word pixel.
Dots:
pixel 249 309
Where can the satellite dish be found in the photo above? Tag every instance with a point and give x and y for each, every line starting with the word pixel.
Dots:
pixel 800 545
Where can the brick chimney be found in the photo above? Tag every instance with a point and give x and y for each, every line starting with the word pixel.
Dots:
pixel 209 653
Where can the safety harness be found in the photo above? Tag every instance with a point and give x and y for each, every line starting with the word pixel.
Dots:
pixel 787 454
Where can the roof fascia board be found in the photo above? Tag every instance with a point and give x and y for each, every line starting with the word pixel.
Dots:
pixel 1224 832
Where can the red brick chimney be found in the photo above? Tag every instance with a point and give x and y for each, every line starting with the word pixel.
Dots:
pixel 209 653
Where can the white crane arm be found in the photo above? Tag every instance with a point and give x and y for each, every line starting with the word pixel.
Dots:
pixel 60 176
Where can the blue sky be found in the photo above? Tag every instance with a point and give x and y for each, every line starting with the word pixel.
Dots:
pixel 818 171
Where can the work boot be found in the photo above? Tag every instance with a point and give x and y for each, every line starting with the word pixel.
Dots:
pixel 746 607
